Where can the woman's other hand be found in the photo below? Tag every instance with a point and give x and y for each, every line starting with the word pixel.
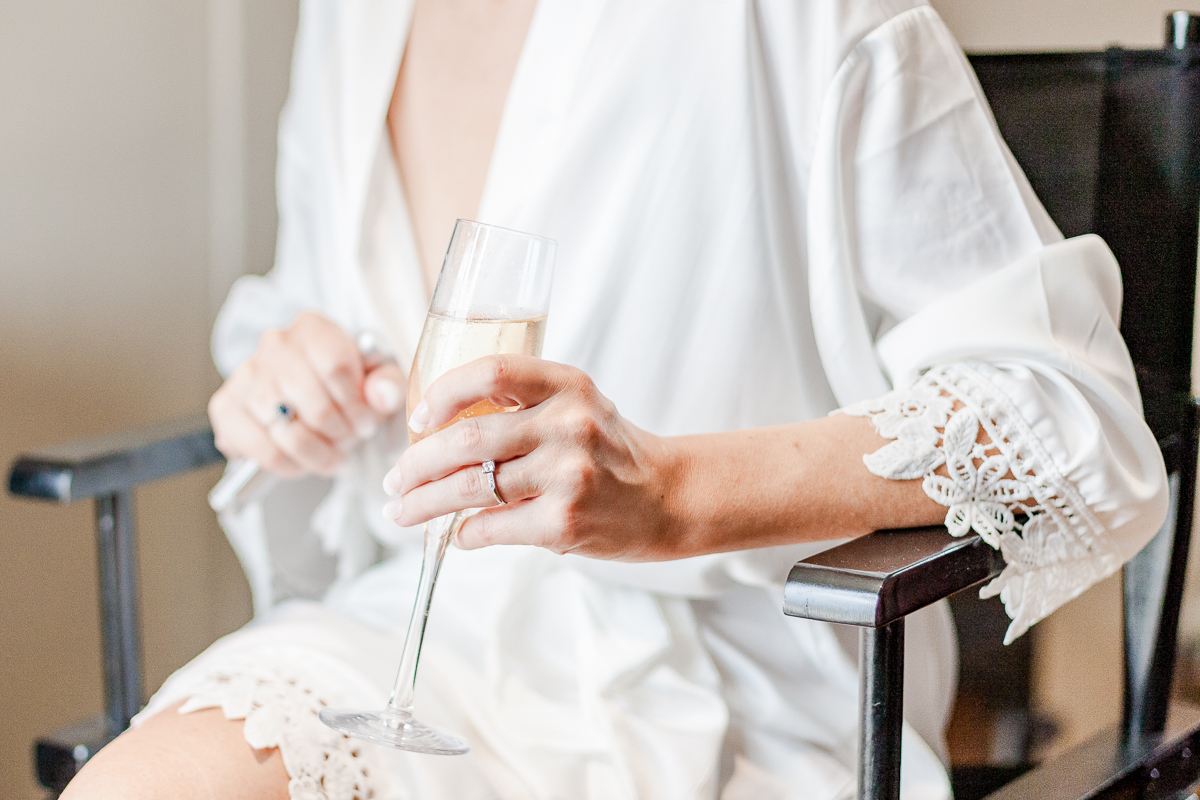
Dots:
pixel 314 369
pixel 574 475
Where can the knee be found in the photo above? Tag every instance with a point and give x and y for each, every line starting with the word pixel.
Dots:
pixel 198 756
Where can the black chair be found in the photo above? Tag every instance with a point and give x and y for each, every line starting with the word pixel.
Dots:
pixel 1111 142
pixel 106 469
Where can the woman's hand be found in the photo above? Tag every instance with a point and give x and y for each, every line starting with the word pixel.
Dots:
pixel 313 368
pixel 574 475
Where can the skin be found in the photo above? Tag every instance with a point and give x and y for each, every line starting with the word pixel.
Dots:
pixel 446 109
pixel 315 368
pixel 577 476
pixel 172 756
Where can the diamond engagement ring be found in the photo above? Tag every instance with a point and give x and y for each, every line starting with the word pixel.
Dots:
pixel 489 472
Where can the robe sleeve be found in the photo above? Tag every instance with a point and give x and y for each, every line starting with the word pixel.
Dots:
pixel 949 312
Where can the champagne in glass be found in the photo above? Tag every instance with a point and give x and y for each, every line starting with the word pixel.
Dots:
pixel 447 343
pixel 491 298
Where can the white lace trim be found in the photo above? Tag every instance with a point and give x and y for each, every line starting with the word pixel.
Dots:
pixel 280 706
pixel 1053 545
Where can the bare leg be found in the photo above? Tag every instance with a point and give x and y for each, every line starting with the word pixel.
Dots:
pixel 197 756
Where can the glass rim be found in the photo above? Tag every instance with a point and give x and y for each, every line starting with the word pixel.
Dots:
pixel 514 231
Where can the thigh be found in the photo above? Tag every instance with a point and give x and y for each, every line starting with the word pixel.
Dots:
pixel 196 756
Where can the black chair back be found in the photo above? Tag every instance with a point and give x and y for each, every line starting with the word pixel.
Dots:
pixel 1111 144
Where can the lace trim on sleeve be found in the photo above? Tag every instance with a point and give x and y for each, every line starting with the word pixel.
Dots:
pixel 280 706
pixel 1008 489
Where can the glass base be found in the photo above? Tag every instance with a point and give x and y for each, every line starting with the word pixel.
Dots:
pixel 395 729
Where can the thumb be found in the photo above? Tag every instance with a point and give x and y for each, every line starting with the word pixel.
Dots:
pixel 384 389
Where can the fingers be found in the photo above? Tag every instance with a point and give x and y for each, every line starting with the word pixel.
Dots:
pixel 286 448
pixel 494 437
pixel 572 475
pixel 335 362
pixel 287 376
pixel 315 369
pixel 309 439
pixel 312 451
pixel 384 389
pixel 466 488
pixel 241 436
pixel 506 381
pixel 521 523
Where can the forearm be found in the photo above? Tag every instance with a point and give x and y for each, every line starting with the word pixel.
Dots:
pixel 575 476
pixel 781 485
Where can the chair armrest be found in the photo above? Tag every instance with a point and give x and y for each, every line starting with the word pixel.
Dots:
pixel 877 579
pixel 106 464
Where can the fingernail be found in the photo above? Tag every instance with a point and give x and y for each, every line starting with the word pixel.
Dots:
pixel 420 417
pixel 457 541
pixel 365 428
pixel 387 393
pixel 391 481
pixel 392 510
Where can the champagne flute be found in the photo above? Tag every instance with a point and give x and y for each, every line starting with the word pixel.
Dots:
pixel 491 298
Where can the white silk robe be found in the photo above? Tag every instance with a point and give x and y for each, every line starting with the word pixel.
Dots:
pixel 766 210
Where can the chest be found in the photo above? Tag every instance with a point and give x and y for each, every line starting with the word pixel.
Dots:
pixel 632 137
pixel 446 108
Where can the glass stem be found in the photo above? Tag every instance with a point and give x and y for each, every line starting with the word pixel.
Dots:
pixel 438 533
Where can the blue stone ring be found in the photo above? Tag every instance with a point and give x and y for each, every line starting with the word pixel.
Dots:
pixel 284 412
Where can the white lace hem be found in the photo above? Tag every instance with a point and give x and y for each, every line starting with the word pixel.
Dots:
pixel 1007 490
pixel 280 705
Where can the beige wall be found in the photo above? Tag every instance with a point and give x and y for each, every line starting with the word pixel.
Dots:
pixel 107 238
pixel 998 25
pixel 129 129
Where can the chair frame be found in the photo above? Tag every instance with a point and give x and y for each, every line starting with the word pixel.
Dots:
pixel 106 470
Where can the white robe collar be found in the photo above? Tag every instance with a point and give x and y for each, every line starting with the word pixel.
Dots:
pixel 371 40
